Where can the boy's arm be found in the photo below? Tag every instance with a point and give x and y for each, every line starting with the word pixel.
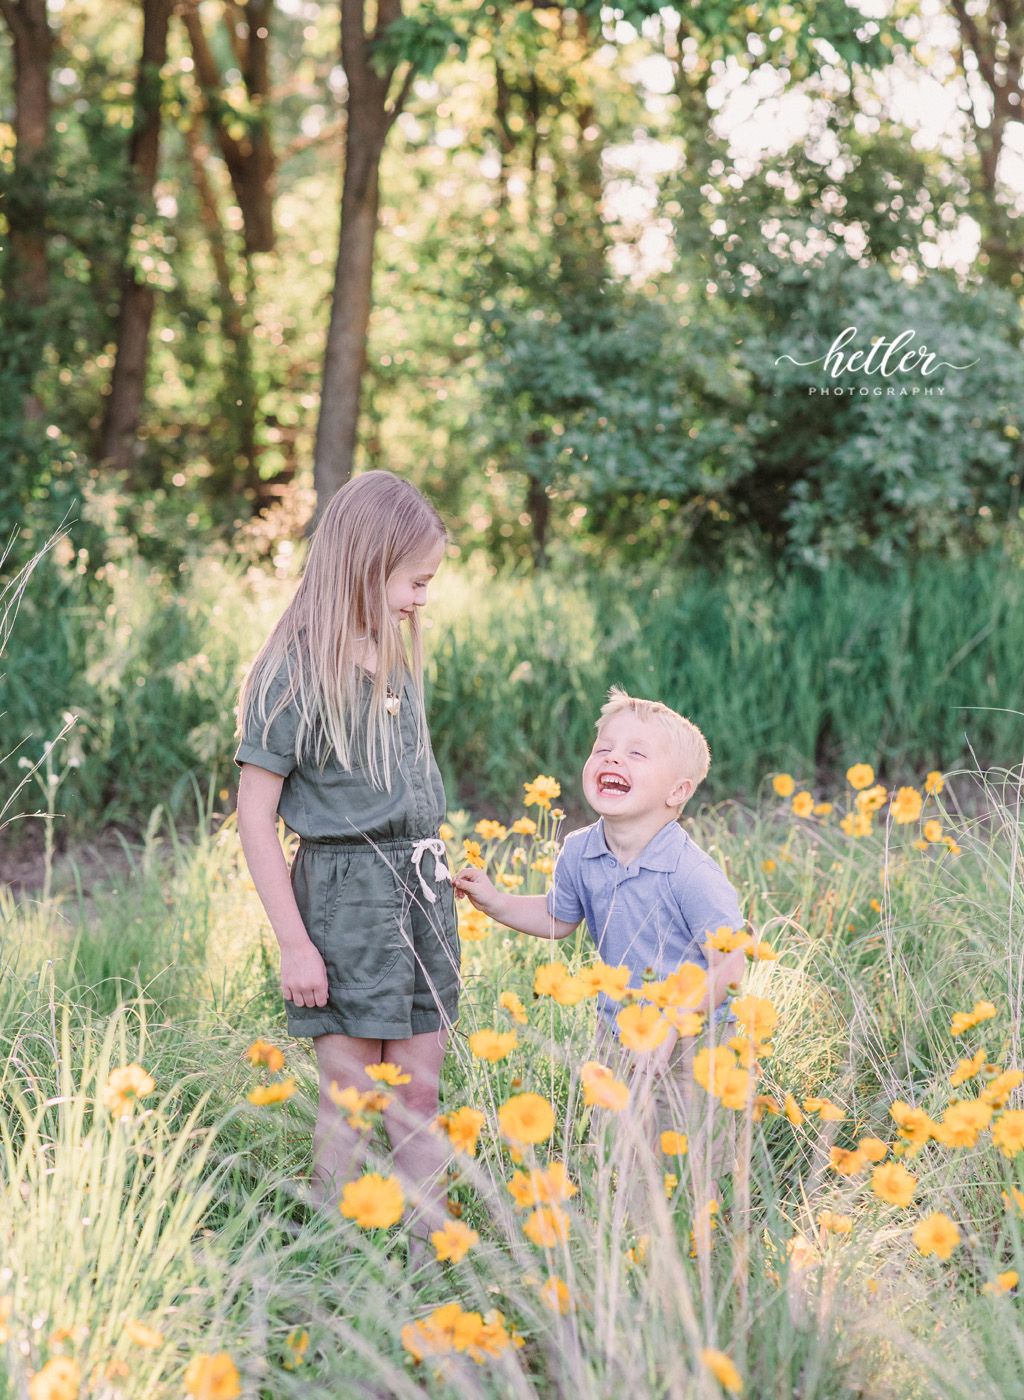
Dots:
pixel 303 975
pixel 525 913
pixel 723 969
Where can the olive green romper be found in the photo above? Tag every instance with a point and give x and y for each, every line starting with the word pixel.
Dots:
pixel 370 879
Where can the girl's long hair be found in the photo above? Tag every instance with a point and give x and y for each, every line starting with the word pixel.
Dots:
pixel 377 523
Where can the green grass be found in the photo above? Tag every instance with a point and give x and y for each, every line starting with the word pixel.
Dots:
pixel 185 1215
pixel 912 669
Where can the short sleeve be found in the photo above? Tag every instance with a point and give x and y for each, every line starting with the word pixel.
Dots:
pixel 275 749
pixel 564 901
pixel 708 900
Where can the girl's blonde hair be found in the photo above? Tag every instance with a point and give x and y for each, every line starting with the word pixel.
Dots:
pixel 376 524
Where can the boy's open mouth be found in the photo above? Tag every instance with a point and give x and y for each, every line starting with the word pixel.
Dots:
pixel 612 783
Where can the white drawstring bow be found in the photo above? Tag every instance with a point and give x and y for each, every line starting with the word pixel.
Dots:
pixel 436 847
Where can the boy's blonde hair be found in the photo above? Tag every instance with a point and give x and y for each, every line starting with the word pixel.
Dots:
pixel 686 739
pixel 376 524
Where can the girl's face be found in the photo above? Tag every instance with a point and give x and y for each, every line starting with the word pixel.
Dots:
pixel 407 587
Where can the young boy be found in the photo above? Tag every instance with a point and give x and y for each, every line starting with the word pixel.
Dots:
pixel 649 894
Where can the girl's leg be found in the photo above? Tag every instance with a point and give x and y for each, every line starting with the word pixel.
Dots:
pixel 420 1155
pixel 338 1149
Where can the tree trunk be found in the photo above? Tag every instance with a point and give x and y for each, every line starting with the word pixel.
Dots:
pixel 369 119
pixel 250 160
pixel 26 280
pixel 128 380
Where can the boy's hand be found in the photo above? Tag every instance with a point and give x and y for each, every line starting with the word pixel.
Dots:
pixel 477 887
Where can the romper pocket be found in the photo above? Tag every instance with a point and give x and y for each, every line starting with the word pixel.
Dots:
pixel 362 937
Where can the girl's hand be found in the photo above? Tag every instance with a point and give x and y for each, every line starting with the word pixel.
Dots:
pixel 477 887
pixel 303 976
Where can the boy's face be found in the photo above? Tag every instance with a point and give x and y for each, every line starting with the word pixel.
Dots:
pixel 634 770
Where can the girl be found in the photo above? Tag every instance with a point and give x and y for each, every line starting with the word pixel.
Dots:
pixel 334 740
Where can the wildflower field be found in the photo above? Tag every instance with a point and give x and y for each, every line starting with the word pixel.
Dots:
pixel 157 1119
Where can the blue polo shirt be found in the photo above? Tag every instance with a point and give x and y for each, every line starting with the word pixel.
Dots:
pixel 654 913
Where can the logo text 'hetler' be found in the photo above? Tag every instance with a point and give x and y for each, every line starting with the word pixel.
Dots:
pixel 883 357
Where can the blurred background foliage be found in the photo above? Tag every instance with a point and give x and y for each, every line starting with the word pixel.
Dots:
pixel 588 300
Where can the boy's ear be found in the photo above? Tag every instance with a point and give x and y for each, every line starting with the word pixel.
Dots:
pixel 681 793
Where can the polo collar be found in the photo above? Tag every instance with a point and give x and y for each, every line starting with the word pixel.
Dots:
pixel 661 852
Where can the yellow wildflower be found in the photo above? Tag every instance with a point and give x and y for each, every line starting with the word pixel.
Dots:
pixel 445 832
pixel 388 1074
pixel 822 809
pixel 613 981
pixel 906 806
pixel 967 1069
pixel 727 940
pixel 803 804
pixel 856 824
pixel 934 783
pixel 212 1377
pixel 914 1124
pixel 295 1345
pixel 142 1335
pixel 861 775
pixel 762 951
pixel 601 1088
pixel 932 831
pixel 454 1241
pixel 515 1008
pixel 474 925
pixel 684 1022
pixel 540 792
pixel 998 1090
pixel 1003 1283
pixel 472 854
pixel 847 1162
pixel 723 1369
pixel 683 988
pixel 962 1122
pixel 541 1187
pixel 492 1045
pixel 792 1111
pixel 768 866
pixel 373 1201
pixel 525 827
pixel 757 1016
pixel 272 1093
pixel 641 1028
pixel 490 831
pixel 674 1144
pixel 261 1052
pixel 871 799
pixel 893 1183
pixel 874 1149
pixel 547 1226
pixel 59 1379
pixel 511 882
pixel 825 1108
pixel 125 1087
pixel 552 980
pixel 965 1020
pixel 836 1224
pixel 783 784
pixel 555 1295
pixel 526 1118
pixel 671 1181
pixel 936 1234
pixel 1008 1132
pixel 463 1128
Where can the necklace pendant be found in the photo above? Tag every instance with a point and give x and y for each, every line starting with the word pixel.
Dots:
pixel 393 702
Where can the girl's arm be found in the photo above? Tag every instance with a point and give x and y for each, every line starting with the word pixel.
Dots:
pixel 525 913
pixel 303 975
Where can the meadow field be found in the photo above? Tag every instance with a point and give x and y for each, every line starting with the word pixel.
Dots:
pixel 155 1243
